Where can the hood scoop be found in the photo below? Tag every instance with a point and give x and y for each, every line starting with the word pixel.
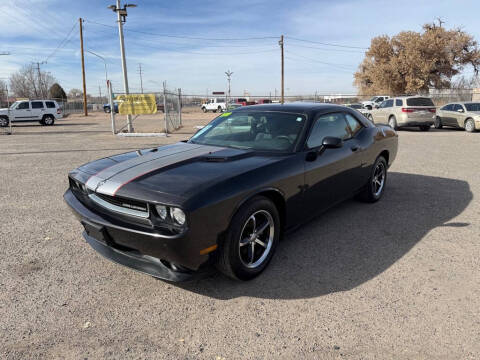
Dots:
pixel 226 154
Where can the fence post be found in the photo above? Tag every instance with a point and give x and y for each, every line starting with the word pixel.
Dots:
pixel 112 105
pixel 165 106
pixel 179 107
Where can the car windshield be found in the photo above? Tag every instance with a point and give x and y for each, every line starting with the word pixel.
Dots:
pixel 473 106
pixel 14 105
pixel 373 98
pixel 255 130
pixel 419 101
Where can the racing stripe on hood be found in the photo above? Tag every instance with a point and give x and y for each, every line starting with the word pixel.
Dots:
pixel 115 177
pixel 116 168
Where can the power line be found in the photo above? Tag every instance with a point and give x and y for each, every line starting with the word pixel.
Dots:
pixel 62 43
pixel 341 66
pixel 188 37
pixel 326 44
pixel 326 49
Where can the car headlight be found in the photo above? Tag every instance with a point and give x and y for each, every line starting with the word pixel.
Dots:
pixel 162 211
pixel 177 215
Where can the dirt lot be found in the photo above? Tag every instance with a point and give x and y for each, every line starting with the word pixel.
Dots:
pixel 397 279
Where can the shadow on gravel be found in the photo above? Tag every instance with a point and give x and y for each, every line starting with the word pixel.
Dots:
pixel 352 243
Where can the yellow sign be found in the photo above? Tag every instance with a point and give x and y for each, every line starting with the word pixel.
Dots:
pixel 137 104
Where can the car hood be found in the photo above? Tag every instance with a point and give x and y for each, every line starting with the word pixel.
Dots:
pixel 172 173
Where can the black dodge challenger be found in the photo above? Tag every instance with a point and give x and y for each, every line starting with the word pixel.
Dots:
pixel 227 195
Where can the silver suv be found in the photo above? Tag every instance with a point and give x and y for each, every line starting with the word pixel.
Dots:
pixel 43 111
pixel 405 111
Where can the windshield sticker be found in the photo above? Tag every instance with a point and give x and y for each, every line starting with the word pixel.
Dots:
pixel 226 114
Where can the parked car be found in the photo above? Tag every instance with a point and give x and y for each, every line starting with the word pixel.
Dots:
pixel 405 111
pixel 43 111
pixel 107 109
pixel 227 195
pixel 374 102
pixel 356 106
pixel 464 115
pixel 215 104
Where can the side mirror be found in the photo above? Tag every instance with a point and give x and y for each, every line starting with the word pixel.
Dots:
pixel 331 142
pixel 460 110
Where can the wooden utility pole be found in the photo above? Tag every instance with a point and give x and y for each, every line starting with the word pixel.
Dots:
pixel 80 20
pixel 283 79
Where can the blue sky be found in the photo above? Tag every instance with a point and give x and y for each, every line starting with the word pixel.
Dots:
pixel 32 29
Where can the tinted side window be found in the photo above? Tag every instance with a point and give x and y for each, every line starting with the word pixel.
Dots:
pixel 446 107
pixel 50 104
pixel 388 103
pixel 355 126
pixel 328 125
pixel 37 104
pixel 23 105
pixel 457 107
pixel 398 102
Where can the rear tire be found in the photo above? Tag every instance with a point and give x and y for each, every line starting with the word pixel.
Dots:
pixel 48 120
pixel 220 109
pixel 425 127
pixel 470 125
pixel 376 183
pixel 392 122
pixel 250 244
pixel 438 123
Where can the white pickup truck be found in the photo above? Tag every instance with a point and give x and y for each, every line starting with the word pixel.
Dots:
pixel 215 104
pixel 374 102
pixel 43 111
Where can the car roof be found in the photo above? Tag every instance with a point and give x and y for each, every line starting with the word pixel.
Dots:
pixel 294 107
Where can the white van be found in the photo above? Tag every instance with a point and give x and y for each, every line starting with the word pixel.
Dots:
pixel 43 111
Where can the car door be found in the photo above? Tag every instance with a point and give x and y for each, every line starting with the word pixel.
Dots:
pixel 458 116
pixel 37 109
pixel 328 172
pixel 443 113
pixel 450 119
pixel 22 112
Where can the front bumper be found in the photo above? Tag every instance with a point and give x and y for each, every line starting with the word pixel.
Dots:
pixel 165 257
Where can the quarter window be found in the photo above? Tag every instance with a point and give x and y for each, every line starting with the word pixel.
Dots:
pixel 398 102
pixel 328 125
pixel 37 104
pixel 50 104
pixel 355 126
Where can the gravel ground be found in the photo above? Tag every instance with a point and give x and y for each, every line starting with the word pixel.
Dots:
pixel 396 279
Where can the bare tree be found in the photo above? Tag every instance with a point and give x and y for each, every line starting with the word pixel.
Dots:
pixel 29 83
pixel 412 62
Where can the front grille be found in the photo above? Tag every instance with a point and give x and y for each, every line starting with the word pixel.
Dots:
pixel 121 205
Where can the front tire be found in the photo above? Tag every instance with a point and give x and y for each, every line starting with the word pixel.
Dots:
pixel 438 123
pixel 251 240
pixel 4 121
pixel 376 183
pixel 204 109
pixel 470 125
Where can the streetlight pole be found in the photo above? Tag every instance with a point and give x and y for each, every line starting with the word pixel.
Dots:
pixel 121 18
pixel 104 63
